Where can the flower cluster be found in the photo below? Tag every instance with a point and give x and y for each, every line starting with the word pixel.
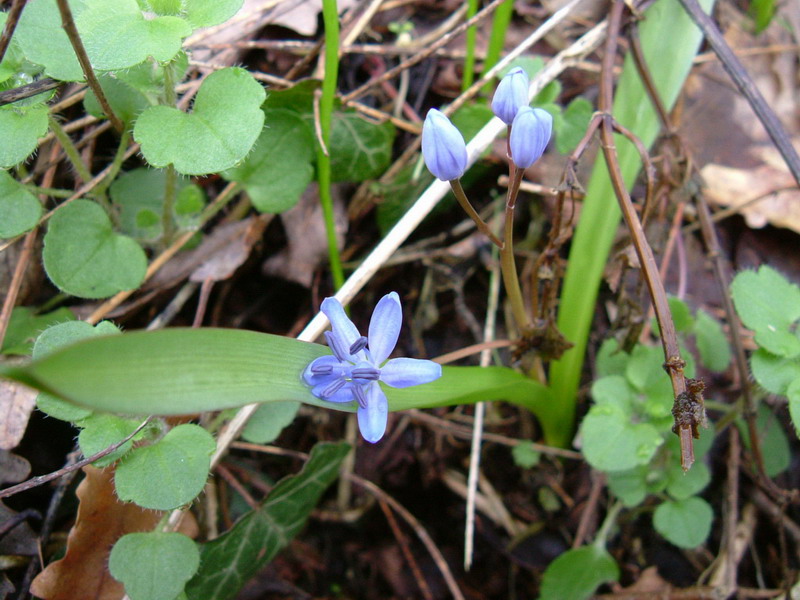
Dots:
pixel 358 363
pixel 443 146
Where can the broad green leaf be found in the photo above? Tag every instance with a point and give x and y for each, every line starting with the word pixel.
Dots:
pixel 398 195
pixel 530 64
pixel 773 373
pixel 13 58
pixel 681 315
pixel 762 12
pixel 684 484
pixel 25 325
pixel 54 338
pixel 470 119
pixel 169 473
pixel 611 442
pixel 117 35
pixel 646 374
pixel 573 124
pixel 525 456
pixel 164 7
pixel 185 371
pixel 359 149
pixel 280 167
pixel 84 257
pixel 154 565
pixel 715 352
pixel 269 420
pixel 148 77
pixel 42 39
pixel 611 360
pixel 19 209
pixel 793 393
pixel 205 13
pixel 774 444
pixel 614 389
pixel 768 304
pixel 238 554
pixel 20 131
pixel 126 101
pixel 685 523
pixel 101 431
pixel 216 135
pixel 577 573
pixel 299 98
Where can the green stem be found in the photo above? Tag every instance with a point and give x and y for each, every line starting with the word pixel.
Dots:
pixel 471 38
pixel 605 529
pixel 171 179
pixel 45 191
pixel 70 150
pixel 330 19
pixel 500 21
pixel 116 164
pixel 507 263
pixel 473 214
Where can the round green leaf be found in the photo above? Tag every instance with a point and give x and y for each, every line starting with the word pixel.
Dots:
pixel 269 420
pixel 101 431
pixel 773 373
pixel 19 209
pixel 20 131
pixel 715 352
pixel 168 473
pixel 577 573
pixel 221 130
pixel 683 484
pixel 685 523
pixel 43 41
pixel 611 442
pixel 154 565
pixel 126 102
pixel 84 257
pixel 279 168
pixel 205 13
pixel 793 393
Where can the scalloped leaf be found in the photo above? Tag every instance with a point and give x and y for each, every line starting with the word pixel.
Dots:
pixel 685 523
pixel 222 128
pixel 19 209
pixel 577 573
pixel 20 130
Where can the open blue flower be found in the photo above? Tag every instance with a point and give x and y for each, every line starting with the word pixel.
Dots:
pixel 358 363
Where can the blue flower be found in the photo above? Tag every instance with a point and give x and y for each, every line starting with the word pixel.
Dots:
pixel 511 95
pixel 443 147
pixel 358 363
pixel 530 133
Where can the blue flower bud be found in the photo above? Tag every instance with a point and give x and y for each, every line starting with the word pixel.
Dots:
pixel 443 147
pixel 511 95
pixel 530 133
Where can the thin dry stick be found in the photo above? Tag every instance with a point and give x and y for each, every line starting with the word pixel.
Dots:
pixel 16 281
pixel 401 539
pixel 42 479
pixel 590 508
pixel 68 23
pixel 480 410
pixel 673 362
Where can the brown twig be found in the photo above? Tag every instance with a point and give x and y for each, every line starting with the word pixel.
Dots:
pixel 71 30
pixel 409 556
pixel 590 509
pixel 42 479
pixel 39 86
pixel 686 428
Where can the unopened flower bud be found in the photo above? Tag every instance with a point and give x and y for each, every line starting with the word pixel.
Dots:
pixel 443 147
pixel 530 133
pixel 511 95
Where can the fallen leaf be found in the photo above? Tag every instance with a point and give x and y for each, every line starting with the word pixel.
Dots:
pixel 19 540
pixel 102 519
pixel 230 253
pixel 16 405
pixel 13 468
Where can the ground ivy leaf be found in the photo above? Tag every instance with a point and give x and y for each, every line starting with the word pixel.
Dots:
pixel 235 556
pixel 613 389
pixel 577 573
pixel 44 42
pixel 269 420
pixel 684 484
pixel 126 101
pixel 280 167
pixel 525 456
pixel 116 34
pixel 773 373
pixel 58 336
pixel 20 131
pixel 774 443
pixel 19 209
pixel 154 565
pixel 574 121
pixel 611 442
pixel 221 130
pixel 99 431
pixel 169 473
pixel 768 304
pixel 793 393
pixel 715 352
pixel 359 148
pixel 25 325
pixel 205 13
pixel 685 523
pixel 629 486
pixel 84 257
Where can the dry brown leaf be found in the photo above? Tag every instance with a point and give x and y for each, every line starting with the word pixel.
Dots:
pixel 16 405
pixel 229 254
pixel 102 519
pixel 13 468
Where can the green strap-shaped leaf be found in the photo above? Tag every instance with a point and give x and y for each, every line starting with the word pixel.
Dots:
pixel 230 560
pixel 184 371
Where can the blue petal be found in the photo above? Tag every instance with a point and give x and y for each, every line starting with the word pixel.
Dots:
pixel 443 147
pixel 384 327
pixel 405 372
pixel 511 95
pixel 372 419
pixel 530 134
pixel 340 323
pixel 336 370
pixel 345 394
